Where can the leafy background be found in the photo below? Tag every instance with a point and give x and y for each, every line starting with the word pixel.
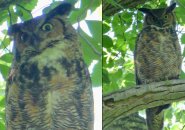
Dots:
pixel 13 11
pixel 119 35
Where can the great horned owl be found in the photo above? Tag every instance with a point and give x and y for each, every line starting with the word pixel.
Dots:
pixel 157 55
pixel 49 87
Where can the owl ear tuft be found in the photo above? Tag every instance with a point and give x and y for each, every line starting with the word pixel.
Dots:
pixel 145 10
pixel 63 9
pixel 170 8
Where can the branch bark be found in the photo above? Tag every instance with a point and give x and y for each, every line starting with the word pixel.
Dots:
pixel 127 101
pixel 110 8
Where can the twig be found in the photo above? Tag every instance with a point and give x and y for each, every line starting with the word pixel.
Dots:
pixel 10 16
pixel 24 9
pixel 87 41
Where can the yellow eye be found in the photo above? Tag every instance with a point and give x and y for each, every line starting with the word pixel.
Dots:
pixel 47 27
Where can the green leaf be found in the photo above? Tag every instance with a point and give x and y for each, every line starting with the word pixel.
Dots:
pixel 183 38
pixel 182 118
pixel 5 43
pixel 8 57
pixel 118 28
pixel 4 69
pixel 2 126
pixel 175 127
pixel 127 17
pixel 88 51
pixel 2 102
pixel 89 56
pixel 106 28
pixel 94 4
pixel 13 16
pixel 23 14
pixel 95 27
pixel 108 64
pixel 114 76
pixel 105 76
pixel 109 88
pixel 79 14
pixel 29 4
pixel 182 75
pixel 96 76
pixel 129 79
pixel 4 16
pixel 179 11
pixel 107 41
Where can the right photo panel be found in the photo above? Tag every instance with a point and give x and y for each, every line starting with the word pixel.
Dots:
pixel 143 65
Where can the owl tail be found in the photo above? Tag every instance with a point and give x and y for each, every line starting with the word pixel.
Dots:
pixel 154 118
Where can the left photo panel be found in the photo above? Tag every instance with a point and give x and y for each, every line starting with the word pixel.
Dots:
pixel 51 65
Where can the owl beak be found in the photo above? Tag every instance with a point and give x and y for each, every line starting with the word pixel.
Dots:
pixel 160 22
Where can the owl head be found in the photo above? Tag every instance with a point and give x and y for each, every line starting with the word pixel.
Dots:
pixel 162 17
pixel 33 36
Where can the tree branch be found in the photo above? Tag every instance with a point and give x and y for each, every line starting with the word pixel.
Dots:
pixel 127 101
pixel 110 8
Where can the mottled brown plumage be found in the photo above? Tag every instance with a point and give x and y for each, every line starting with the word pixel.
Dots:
pixel 157 55
pixel 49 87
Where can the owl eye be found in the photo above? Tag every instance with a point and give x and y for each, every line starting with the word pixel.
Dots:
pixel 47 27
pixel 154 18
pixel 165 16
pixel 24 37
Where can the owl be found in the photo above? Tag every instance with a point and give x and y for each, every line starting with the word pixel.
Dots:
pixel 49 86
pixel 157 55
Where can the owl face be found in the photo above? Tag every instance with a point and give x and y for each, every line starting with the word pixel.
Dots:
pixel 162 18
pixel 35 35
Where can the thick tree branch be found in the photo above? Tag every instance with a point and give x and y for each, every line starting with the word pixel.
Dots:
pixel 127 101
pixel 110 8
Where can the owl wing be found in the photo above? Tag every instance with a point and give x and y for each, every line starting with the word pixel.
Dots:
pixel 136 51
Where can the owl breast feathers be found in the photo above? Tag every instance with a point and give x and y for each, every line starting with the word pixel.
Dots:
pixel 158 55
pixel 49 87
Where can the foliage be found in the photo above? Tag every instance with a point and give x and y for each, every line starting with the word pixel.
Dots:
pixel 119 35
pixel 91 45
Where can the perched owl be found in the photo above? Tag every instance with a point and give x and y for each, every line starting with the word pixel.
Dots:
pixel 49 87
pixel 157 55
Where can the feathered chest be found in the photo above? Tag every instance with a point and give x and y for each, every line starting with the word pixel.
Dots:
pixel 53 68
pixel 157 54
pixel 158 40
pixel 49 83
